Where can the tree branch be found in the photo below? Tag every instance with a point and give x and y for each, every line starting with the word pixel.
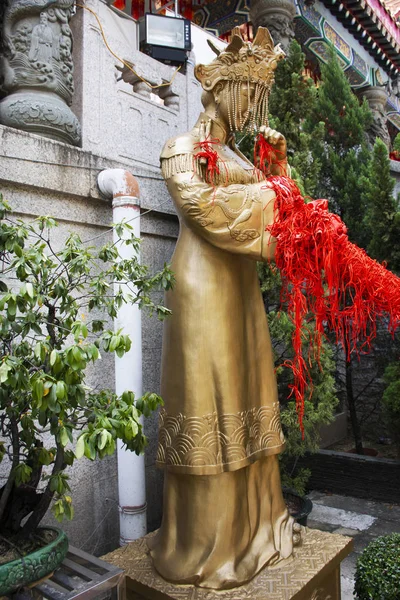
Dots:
pixel 47 496
pixel 7 489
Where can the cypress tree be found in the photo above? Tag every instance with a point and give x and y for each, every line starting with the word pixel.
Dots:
pixel 383 220
pixel 292 101
pixel 342 151
pixel 382 216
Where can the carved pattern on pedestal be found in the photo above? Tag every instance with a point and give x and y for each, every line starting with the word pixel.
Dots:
pixel 23 112
pixel 317 550
pixel 38 57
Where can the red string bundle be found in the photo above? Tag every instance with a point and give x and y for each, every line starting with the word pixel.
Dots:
pixel 265 155
pixel 326 275
pixel 207 152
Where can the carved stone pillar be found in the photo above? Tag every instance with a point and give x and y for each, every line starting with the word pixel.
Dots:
pixel 37 69
pixel 278 16
pixel 377 98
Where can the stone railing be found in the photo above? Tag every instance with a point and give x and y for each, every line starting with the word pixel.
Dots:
pixel 122 117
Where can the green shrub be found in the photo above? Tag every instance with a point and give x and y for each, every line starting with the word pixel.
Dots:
pixel 378 570
pixel 55 308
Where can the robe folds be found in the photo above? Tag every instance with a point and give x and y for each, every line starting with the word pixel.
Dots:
pixel 224 516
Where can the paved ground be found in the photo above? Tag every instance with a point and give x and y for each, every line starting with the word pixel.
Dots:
pixel 364 520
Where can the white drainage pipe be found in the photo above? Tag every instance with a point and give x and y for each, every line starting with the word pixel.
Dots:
pixel 123 188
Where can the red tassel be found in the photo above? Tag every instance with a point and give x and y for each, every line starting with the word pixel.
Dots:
pixel 323 273
pixel 207 152
pixel 266 155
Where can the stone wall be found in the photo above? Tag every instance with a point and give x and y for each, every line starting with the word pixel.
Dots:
pixel 123 126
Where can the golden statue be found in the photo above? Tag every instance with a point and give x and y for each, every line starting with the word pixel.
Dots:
pixel 224 515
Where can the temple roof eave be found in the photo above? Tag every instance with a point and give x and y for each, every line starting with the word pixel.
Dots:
pixel 363 23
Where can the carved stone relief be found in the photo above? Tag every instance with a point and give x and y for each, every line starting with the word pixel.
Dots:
pixel 376 98
pixel 393 86
pixel 37 69
pixel 278 16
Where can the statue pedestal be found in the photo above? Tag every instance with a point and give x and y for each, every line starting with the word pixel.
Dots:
pixel 313 573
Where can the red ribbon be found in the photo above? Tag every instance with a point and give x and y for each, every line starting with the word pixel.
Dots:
pixel 266 155
pixel 326 275
pixel 206 150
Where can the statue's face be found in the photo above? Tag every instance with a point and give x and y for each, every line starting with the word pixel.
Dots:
pixel 43 18
pixel 227 103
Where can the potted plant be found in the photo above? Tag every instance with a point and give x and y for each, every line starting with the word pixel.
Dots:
pixel 299 506
pixel 56 309
pixel 377 571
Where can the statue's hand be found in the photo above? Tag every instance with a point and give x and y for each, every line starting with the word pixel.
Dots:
pixel 276 139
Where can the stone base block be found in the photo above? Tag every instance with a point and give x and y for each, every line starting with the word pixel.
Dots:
pixel 43 113
pixel 313 573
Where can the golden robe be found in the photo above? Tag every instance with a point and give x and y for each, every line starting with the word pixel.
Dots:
pixel 224 517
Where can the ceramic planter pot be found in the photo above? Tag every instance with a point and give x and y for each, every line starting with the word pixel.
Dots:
pixel 33 566
pixel 299 506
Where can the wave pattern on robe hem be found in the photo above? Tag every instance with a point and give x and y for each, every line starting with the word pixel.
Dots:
pixel 216 443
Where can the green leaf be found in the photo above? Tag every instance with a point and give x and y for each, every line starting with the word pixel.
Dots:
pixel 90 451
pixel 76 353
pixel 134 427
pixel 52 397
pixel 45 458
pixel 97 326
pixel 53 357
pixel 60 390
pixel 68 508
pixel 103 439
pixel 12 307
pixel 29 289
pixel 4 371
pixel 69 456
pixel 38 389
pixel 22 474
pixel 114 343
pixel 64 439
pixel 80 446
pixel 58 509
pixel 2 451
pixel 128 343
pixel 17 250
